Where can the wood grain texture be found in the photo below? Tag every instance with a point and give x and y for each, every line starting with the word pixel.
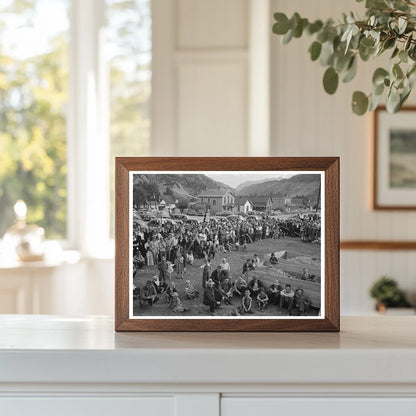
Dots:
pixel 376 205
pixel 378 245
pixel 329 165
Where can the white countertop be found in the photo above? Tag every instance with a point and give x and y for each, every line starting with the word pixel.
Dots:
pixel 52 349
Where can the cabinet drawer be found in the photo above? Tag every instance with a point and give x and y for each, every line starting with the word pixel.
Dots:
pixel 273 406
pixel 87 406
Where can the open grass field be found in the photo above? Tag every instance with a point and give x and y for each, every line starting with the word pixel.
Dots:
pixel 299 255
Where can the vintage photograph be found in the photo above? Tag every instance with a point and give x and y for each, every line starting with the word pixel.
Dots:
pixel 403 158
pixel 226 244
pixel 394 177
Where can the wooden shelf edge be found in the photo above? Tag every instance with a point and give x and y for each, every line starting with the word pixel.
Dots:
pixel 377 245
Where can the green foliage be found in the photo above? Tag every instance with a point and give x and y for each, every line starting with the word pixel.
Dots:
pixel 389 26
pixel 387 292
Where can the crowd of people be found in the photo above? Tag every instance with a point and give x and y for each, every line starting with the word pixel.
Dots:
pixel 172 247
pixel 179 242
pixel 244 293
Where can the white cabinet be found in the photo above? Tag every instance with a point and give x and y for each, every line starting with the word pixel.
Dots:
pixel 51 366
pixel 325 406
pixel 88 406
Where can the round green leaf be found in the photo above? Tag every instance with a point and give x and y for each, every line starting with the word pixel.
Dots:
pixel 351 71
pixel 281 27
pixel 330 80
pixel 403 56
pixel 393 101
pixel 359 103
pixel 315 50
pixel 397 71
pixel 379 75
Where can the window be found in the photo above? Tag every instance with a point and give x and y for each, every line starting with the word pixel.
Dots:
pixel 129 46
pixel 74 93
pixel 33 111
pixel 214 202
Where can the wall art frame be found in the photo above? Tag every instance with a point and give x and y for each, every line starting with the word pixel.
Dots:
pixel 135 175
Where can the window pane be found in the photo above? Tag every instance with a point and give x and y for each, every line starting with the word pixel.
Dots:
pixel 33 101
pixel 129 51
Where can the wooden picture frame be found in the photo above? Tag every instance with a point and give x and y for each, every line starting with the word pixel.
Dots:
pixel 326 167
pixel 386 196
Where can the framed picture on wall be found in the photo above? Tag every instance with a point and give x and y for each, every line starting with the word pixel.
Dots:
pixel 227 244
pixel 394 177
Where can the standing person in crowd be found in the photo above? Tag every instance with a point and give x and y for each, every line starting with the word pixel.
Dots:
pixel 224 270
pixel 154 247
pixel 246 302
pixel 163 269
pixel 206 272
pixel 169 270
pixel 180 266
pixel 216 276
pixel 212 296
pixel 190 257
pixel 287 298
pixel 149 258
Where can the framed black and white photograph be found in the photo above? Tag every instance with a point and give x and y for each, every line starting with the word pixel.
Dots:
pixel 239 249
pixel 394 178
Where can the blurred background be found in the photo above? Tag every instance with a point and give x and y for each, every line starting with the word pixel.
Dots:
pixel 83 81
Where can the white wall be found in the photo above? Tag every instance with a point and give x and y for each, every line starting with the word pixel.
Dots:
pixel 218 77
pixel 308 122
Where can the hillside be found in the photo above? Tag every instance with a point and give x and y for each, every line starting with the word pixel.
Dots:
pixel 251 183
pixel 303 184
pixel 179 185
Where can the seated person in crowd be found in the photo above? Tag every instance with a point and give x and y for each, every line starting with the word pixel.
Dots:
pixel 176 304
pixel 171 289
pixel 301 302
pixel 139 260
pixel 305 274
pixel 274 292
pixel 254 286
pixel 287 298
pixel 224 270
pixel 246 302
pixel 158 285
pixel 256 261
pixel 190 291
pixel 240 285
pixel 273 259
pixel 248 265
pixel 227 290
pixel 136 292
pixel 262 299
pixel 212 296
pixel 148 293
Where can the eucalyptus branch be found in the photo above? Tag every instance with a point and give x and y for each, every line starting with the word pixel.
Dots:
pixel 389 26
